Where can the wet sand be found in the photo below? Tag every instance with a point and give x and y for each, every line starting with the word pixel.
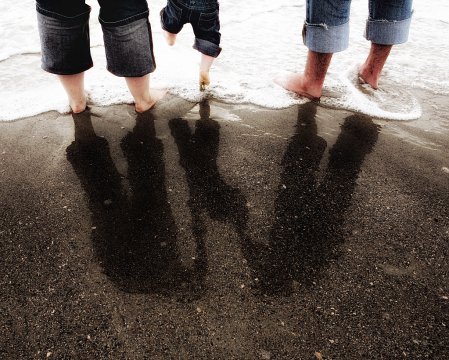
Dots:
pixel 215 231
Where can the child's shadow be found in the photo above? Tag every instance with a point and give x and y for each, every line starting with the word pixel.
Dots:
pixel 134 239
pixel 309 215
pixel 208 192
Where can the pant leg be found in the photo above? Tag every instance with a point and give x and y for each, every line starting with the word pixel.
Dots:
pixel 127 37
pixel 174 16
pixel 326 29
pixel 206 26
pixel 64 35
pixel 389 21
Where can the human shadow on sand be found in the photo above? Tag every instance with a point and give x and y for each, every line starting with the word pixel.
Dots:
pixel 309 213
pixel 134 238
pixel 208 191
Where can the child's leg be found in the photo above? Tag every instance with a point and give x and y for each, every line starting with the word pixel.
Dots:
pixel 206 26
pixel 206 63
pixel 171 22
pixel 169 37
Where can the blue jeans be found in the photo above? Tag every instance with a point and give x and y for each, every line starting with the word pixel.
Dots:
pixel 65 42
pixel 202 15
pixel 326 29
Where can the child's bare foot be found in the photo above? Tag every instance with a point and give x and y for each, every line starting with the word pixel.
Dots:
pixel 154 96
pixel 297 83
pixel 204 79
pixel 169 37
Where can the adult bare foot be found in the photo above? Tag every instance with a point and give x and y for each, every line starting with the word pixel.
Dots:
pixel 169 37
pixel 78 105
pixel 369 77
pixel 74 87
pixel 297 83
pixel 371 70
pixel 154 96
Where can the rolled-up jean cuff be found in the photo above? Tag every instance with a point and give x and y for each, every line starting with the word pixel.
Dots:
pixel 65 44
pixel 326 39
pixel 129 49
pixel 129 20
pixel 206 47
pixel 383 32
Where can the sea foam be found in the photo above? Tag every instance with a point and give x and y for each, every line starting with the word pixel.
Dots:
pixel 259 37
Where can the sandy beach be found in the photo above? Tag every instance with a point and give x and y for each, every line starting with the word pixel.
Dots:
pixel 217 231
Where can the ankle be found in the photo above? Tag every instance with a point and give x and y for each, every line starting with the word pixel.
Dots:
pixel 312 87
pixel 78 106
pixel 369 75
pixel 142 106
pixel 169 38
pixel 145 103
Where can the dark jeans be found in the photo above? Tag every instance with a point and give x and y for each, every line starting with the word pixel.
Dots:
pixel 65 43
pixel 202 15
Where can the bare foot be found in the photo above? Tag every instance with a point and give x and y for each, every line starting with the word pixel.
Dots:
pixel 154 96
pixel 371 70
pixel 297 83
pixel 204 79
pixel 78 105
pixel 369 76
pixel 169 37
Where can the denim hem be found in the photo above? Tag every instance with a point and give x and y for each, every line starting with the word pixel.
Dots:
pixel 206 47
pixel 384 32
pixel 126 21
pixel 326 39
pixel 57 16
pixel 149 70
pixel 169 30
pixel 67 72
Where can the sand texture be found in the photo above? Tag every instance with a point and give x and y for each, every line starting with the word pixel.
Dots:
pixel 216 231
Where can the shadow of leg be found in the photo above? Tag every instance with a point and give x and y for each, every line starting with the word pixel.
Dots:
pixel 309 216
pixel 356 140
pixel 307 232
pixel 294 206
pixel 134 241
pixel 157 262
pixel 208 192
pixel 90 158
